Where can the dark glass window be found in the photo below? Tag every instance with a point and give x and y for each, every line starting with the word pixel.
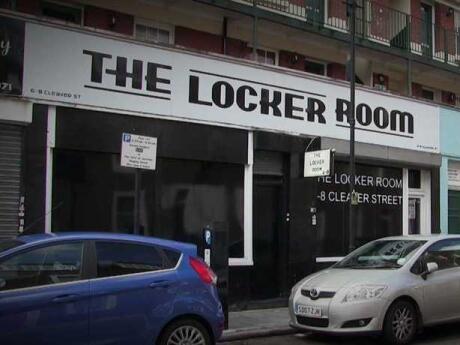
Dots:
pixel 454 211
pixel 61 12
pixel 43 266
pixel 414 179
pixel 116 258
pixel 428 94
pixel 315 67
pixel 177 200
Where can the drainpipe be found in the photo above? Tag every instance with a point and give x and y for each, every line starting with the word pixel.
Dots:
pixel 254 31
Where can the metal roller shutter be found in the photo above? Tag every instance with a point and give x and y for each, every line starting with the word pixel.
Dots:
pixel 10 178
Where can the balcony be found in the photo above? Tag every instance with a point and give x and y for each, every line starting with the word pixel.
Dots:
pixel 374 22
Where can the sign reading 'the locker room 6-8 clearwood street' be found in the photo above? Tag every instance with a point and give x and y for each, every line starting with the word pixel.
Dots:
pixel 138 151
pixel 317 163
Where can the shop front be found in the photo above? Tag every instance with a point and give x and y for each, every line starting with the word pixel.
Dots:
pixel 231 138
pixel 15 115
pixel 450 171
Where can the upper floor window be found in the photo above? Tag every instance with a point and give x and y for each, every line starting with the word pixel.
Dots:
pixel 153 32
pixel 428 94
pixel 60 11
pixel 267 56
pixel 315 67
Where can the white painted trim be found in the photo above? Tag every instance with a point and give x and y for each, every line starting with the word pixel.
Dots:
pixel 50 144
pixel 247 259
pixel 156 25
pixel 329 259
pixel 405 210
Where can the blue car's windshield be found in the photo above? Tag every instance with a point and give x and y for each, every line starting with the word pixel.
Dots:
pixel 383 254
pixel 8 244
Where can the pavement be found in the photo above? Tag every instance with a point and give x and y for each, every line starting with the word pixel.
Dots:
pixel 257 323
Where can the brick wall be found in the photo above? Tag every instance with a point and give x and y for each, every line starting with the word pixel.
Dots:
pixel 337 9
pixel 445 26
pixel 448 97
pixel 380 26
pixel 29 6
pixel 416 24
pixel 337 71
pixel 416 90
pixel 200 40
pixel 101 18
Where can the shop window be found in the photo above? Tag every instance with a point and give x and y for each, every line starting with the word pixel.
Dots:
pixel 153 32
pixel 454 212
pixel 315 67
pixel 177 199
pixel 414 179
pixel 64 12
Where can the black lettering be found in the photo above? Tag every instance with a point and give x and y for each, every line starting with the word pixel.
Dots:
pixel 194 90
pixel 316 108
pixel 364 114
pixel 266 104
pixel 241 98
pixel 229 94
pixel 153 80
pixel 97 61
pixel 381 118
pixel 121 73
pixel 402 116
pixel 289 107
pixel 342 109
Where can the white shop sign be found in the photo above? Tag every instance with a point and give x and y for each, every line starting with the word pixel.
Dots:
pixel 78 68
pixel 138 151
pixel 317 163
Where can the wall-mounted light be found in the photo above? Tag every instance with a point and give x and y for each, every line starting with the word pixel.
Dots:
pixel 294 58
pixel 381 78
pixel 450 12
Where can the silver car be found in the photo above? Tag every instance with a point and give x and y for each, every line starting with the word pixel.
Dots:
pixel 394 286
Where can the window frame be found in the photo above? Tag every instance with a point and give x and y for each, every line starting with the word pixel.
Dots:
pixel 93 258
pixel 85 264
pixel 319 62
pixel 266 50
pixel 64 4
pixel 156 25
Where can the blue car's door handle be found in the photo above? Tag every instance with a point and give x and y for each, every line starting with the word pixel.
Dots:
pixel 160 284
pixel 65 298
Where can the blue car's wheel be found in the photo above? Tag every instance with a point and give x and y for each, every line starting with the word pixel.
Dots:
pixel 185 332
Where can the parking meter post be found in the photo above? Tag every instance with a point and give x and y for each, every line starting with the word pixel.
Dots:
pixel 137 196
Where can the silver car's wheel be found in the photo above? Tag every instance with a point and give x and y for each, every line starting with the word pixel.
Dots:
pixel 185 332
pixel 400 323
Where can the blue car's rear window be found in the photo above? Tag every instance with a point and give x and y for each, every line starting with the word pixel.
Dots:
pixel 8 244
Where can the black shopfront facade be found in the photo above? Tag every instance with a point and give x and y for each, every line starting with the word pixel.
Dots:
pixel 231 138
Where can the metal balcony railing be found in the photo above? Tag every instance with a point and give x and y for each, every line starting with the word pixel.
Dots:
pixel 374 22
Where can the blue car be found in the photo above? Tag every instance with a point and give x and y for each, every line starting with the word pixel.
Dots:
pixel 103 288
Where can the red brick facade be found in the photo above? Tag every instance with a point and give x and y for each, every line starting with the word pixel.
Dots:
pixel 292 60
pixel 29 6
pixel 448 97
pixel 445 26
pixel 337 71
pixel 101 18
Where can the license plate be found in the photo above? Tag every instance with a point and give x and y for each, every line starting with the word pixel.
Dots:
pixel 307 310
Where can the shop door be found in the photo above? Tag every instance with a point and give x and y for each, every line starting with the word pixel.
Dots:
pixel 10 176
pixel 454 212
pixel 268 238
pixel 427 29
